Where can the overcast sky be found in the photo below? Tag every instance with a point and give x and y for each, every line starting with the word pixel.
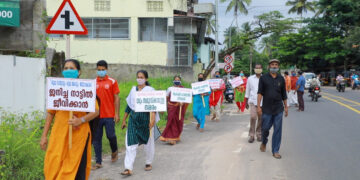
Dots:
pixel 256 8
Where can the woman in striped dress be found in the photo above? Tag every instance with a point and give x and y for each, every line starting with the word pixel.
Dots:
pixel 140 129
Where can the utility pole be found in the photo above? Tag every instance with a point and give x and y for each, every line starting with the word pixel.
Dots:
pixel 217 35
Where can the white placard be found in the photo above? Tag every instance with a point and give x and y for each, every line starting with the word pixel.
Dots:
pixel 236 82
pixel 182 95
pixel 215 83
pixel 200 87
pixel 150 101
pixel 70 94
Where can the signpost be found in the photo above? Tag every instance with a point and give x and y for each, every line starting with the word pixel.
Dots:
pixel 228 61
pixel 66 21
pixel 181 95
pixel 10 13
pixel 200 88
pixel 70 95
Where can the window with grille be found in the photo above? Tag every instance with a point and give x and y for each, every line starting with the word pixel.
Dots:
pixel 102 5
pixel 153 29
pixel 106 28
pixel 155 6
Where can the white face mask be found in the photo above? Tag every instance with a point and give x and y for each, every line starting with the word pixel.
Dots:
pixel 258 71
pixel 141 81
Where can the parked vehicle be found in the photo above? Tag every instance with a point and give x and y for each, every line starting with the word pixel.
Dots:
pixel 229 93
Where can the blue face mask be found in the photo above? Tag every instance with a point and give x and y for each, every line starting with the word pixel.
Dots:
pixel 241 74
pixel 293 74
pixel 217 76
pixel 177 83
pixel 101 73
pixel 70 73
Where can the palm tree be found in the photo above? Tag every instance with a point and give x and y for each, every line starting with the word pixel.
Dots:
pixel 300 6
pixel 210 25
pixel 237 6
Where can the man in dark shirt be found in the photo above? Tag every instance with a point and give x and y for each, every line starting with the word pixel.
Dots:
pixel 273 93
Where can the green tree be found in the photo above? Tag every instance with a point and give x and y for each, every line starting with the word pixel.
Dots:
pixel 238 6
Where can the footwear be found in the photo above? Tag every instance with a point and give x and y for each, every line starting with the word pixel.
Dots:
pixel 251 139
pixel 114 156
pixel 202 130
pixel 197 126
pixel 172 142
pixel 96 166
pixel 126 172
pixel 258 138
pixel 213 118
pixel 148 167
pixel 277 155
pixel 217 120
pixel 263 147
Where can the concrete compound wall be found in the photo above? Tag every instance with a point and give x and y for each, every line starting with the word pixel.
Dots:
pixel 124 72
pixel 22 84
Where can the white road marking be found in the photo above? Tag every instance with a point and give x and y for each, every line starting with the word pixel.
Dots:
pixel 248 126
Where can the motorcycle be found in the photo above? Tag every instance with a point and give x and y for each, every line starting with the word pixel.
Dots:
pixel 356 84
pixel 229 94
pixel 315 93
pixel 341 86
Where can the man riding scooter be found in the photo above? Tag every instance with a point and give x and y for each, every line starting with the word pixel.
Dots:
pixel 355 83
pixel 314 88
pixel 340 83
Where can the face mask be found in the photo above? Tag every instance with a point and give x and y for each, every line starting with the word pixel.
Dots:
pixel 200 79
pixel 101 73
pixel 217 76
pixel 241 74
pixel 70 73
pixel 141 81
pixel 258 71
pixel 293 74
pixel 274 70
pixel 177 83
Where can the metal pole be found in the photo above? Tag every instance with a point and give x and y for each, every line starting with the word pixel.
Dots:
pixel 251 58
pixel 217 35
pixel 67 53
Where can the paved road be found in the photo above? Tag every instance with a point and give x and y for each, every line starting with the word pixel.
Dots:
pixel 321 143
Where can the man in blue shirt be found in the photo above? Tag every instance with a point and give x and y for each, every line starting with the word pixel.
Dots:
pixel 300 88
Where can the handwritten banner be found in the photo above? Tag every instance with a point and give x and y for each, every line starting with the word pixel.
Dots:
pixel 70 94
pixel 215 83
pixel 200 87
pixel 150 101
pixel 236 82
pixel 182 95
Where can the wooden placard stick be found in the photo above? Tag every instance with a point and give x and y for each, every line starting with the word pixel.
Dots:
pixel 202 96
pixel 180 112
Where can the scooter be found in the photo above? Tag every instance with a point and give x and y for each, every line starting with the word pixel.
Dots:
pixel 229 94
pixel 315 93
pixel 341 86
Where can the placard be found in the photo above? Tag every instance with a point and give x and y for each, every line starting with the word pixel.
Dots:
pixel 215 83
pixel 70 94
pixel 182 95
pixel 150 101
pixel 200 87
pixel 236 82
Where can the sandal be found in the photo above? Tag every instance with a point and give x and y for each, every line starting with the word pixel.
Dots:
pixel 172 142
pixel 197 126
pixel 277 156
pixel 96 166
pixel 126 172
pixel 148 167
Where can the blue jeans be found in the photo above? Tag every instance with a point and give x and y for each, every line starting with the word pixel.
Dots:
pixel 110 134
pixel 269 120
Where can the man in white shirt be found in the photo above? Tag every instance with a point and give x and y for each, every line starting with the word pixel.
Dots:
pixel 251 95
